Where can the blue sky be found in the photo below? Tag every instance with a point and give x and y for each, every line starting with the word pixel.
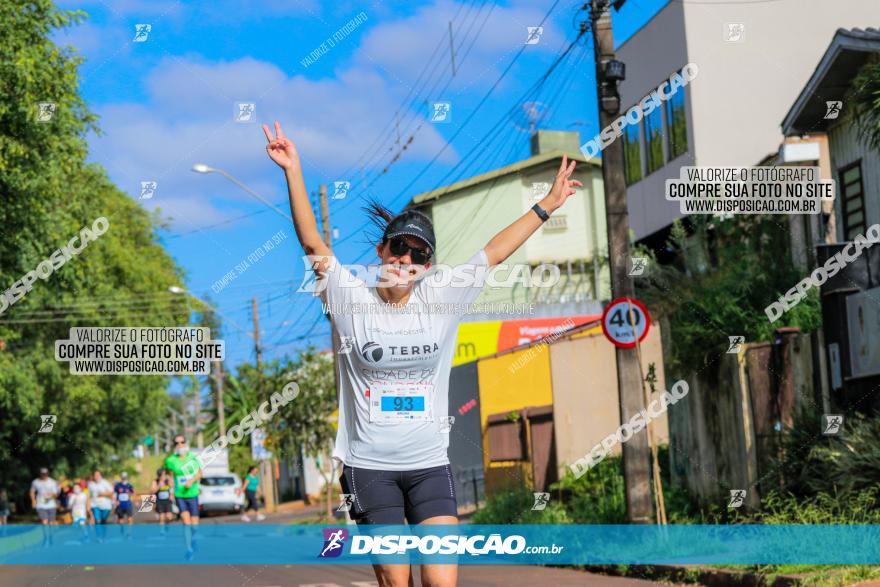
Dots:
pixel 168 102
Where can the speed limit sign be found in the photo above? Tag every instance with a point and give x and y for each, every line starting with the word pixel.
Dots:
pixel 626 321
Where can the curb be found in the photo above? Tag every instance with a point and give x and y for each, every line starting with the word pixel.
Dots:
pixel 703 576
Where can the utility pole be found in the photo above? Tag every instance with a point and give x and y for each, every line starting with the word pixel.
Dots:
pixel 325 225
pixel 256 316
pixel 217 377
pixel 451 49
pixel 636 463
pixel 267 470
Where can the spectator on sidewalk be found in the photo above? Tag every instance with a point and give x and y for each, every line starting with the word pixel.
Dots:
pixel 251 485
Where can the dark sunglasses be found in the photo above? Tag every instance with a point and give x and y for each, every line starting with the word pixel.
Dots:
pixel 179 442
pixel 399 248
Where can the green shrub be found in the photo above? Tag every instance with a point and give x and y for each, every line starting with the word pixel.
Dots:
pixel 597 497
pixel 515 507
pixel 842 464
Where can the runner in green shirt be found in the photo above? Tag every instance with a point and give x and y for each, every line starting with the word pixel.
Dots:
pixel 184 465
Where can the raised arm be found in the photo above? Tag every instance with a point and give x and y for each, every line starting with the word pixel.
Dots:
pixel 283 152
pixel 511 238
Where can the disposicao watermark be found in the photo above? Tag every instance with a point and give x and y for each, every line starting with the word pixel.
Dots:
pixel 331 41
pixel 465 275
pixel 265 412
pixel 55 261
pixel 820 275
pixel 635 114
pixel 629 429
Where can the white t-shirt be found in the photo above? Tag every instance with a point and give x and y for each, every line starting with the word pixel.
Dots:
pixel 394 383
pixel 46 490
pixel 95 489
pixel 77 504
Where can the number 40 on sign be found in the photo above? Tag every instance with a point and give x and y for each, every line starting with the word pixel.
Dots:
pixel 625 322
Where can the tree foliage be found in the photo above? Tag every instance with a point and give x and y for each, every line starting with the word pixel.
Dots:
pixel 303 424
pixel 863 102
pixel 727 273
pixel 49 192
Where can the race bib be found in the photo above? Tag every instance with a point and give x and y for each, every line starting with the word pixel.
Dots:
pixel 181 479
pixel 123 497
pixel 164 495
pixel 394 402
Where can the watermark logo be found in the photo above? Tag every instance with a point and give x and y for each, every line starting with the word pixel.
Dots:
pixel 47 423
pixel 833 424
pixel 148 189
pixel 346 344
pixel 533 36
pixel 634 115
pixel 55 261
pixel 734 32
pixel 737 498
pixel 629 429
pixel 340 190
pixel 540 189
pixel 245 264
pixel 446 423
pixel 346 500
pixel 820 275
pixel 734 344
pixel 832 109
pixel 245 112
pixel 45 111
pixel 441 112
pixel 147 503
pixel 541 501
pixel 334 540
pixel 265 412
pixel 637 266
pixel 331 41
pixel 142 32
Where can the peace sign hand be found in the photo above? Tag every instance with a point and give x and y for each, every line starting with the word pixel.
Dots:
pixel 281 149
pixel 564 186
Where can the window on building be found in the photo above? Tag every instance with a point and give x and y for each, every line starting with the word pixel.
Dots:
pixel 632 154
pixel 852 200
pixel 654 139
pixel 675 118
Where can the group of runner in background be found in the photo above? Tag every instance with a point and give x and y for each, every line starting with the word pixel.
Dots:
pixel 91 501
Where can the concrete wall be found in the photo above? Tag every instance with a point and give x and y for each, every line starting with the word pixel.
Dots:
pixel 654 53
pixel 725 433
pixel 586 402
pixel 743 90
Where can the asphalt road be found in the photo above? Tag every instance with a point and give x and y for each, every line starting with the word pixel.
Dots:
pixel 284 575
pixel 288 576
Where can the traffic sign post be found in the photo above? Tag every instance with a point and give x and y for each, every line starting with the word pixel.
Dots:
pixel 625 322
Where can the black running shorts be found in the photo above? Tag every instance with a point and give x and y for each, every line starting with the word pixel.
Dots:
pixel 387 497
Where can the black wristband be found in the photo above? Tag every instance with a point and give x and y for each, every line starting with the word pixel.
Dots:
pixel 542 214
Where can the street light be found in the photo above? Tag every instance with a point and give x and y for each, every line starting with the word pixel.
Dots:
pixel 202 168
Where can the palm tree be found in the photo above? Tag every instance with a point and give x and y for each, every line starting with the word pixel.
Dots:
pixel 863 101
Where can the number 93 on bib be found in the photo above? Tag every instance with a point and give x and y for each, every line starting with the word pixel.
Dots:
pixel 401 402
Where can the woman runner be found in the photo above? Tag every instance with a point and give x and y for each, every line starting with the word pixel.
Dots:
pixel 394 382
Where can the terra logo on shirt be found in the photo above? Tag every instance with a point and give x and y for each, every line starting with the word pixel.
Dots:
pixel 372 352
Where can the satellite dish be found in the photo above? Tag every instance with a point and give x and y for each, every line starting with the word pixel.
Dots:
pixel 530 115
